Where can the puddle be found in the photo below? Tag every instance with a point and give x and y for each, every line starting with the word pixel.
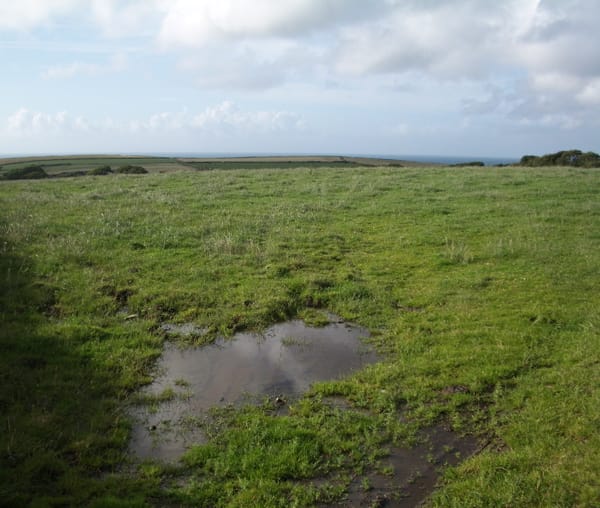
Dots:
pixel 413 472
pixel 282 362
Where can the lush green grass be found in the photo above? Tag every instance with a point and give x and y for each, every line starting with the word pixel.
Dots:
pixel 480 286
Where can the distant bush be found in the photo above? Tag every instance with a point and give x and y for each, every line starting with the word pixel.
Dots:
pixel 132 170
pixel 472 163
pixel 26 173
pixel 575 158
pixel 101 170
pixel 68 174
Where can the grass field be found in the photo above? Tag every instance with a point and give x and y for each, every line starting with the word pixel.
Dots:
pixel 69 164
pixel 480 287
pixel 64 165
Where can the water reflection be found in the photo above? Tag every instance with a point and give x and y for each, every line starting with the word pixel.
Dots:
pixel 285 360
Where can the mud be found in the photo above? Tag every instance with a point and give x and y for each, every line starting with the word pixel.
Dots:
pixel 412 472
pixel 282 362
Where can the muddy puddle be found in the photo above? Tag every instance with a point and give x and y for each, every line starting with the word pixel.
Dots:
pixel 281 363
pixel 413 472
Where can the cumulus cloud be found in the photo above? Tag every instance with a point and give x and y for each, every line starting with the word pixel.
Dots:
pixel 548 48
pixel 447 39
pixel 535 61
pixel 25 122
pixel 194 23
pixel 562 37
pixel 220 118
pixel 228 115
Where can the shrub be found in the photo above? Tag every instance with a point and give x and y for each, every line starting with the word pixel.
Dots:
pixel 132 170
pixel 575 158
pixel 101 170
pixel 472 163
pixel 26 173
pixel 68 174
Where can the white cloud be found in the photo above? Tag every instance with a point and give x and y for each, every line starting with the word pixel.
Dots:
pixel 530 62
pixel 22 15
pixel 117 63
pixel 549 46
pixel 227 115
pixel 562 37
pixel 125 18
pixel 195 23
pixel 161 122
pixel 218 119
pixel 454 39
pixel 24 122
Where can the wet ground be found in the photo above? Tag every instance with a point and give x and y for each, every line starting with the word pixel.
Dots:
pixel 414 472
pixel 281 363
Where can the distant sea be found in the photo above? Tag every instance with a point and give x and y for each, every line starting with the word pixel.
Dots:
pixel 438 159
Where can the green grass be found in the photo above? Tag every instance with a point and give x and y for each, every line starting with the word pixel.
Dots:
pixel 480 287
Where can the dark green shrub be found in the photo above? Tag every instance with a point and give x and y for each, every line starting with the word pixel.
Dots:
pixel 575 158
pixel 132 170
pixel 529 160
pixel 68 174
pixel 101 170
pixel 26 173
pixel 472 163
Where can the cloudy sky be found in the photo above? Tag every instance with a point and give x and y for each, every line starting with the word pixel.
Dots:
pixel 446 77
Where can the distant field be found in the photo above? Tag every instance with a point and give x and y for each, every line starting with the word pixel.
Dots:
pixel 275 162
pixel 479 287
pixel 54 165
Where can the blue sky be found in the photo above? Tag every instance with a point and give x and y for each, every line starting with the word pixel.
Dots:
pixel 453 77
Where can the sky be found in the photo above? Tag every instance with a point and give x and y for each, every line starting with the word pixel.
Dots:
pixel 431 77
